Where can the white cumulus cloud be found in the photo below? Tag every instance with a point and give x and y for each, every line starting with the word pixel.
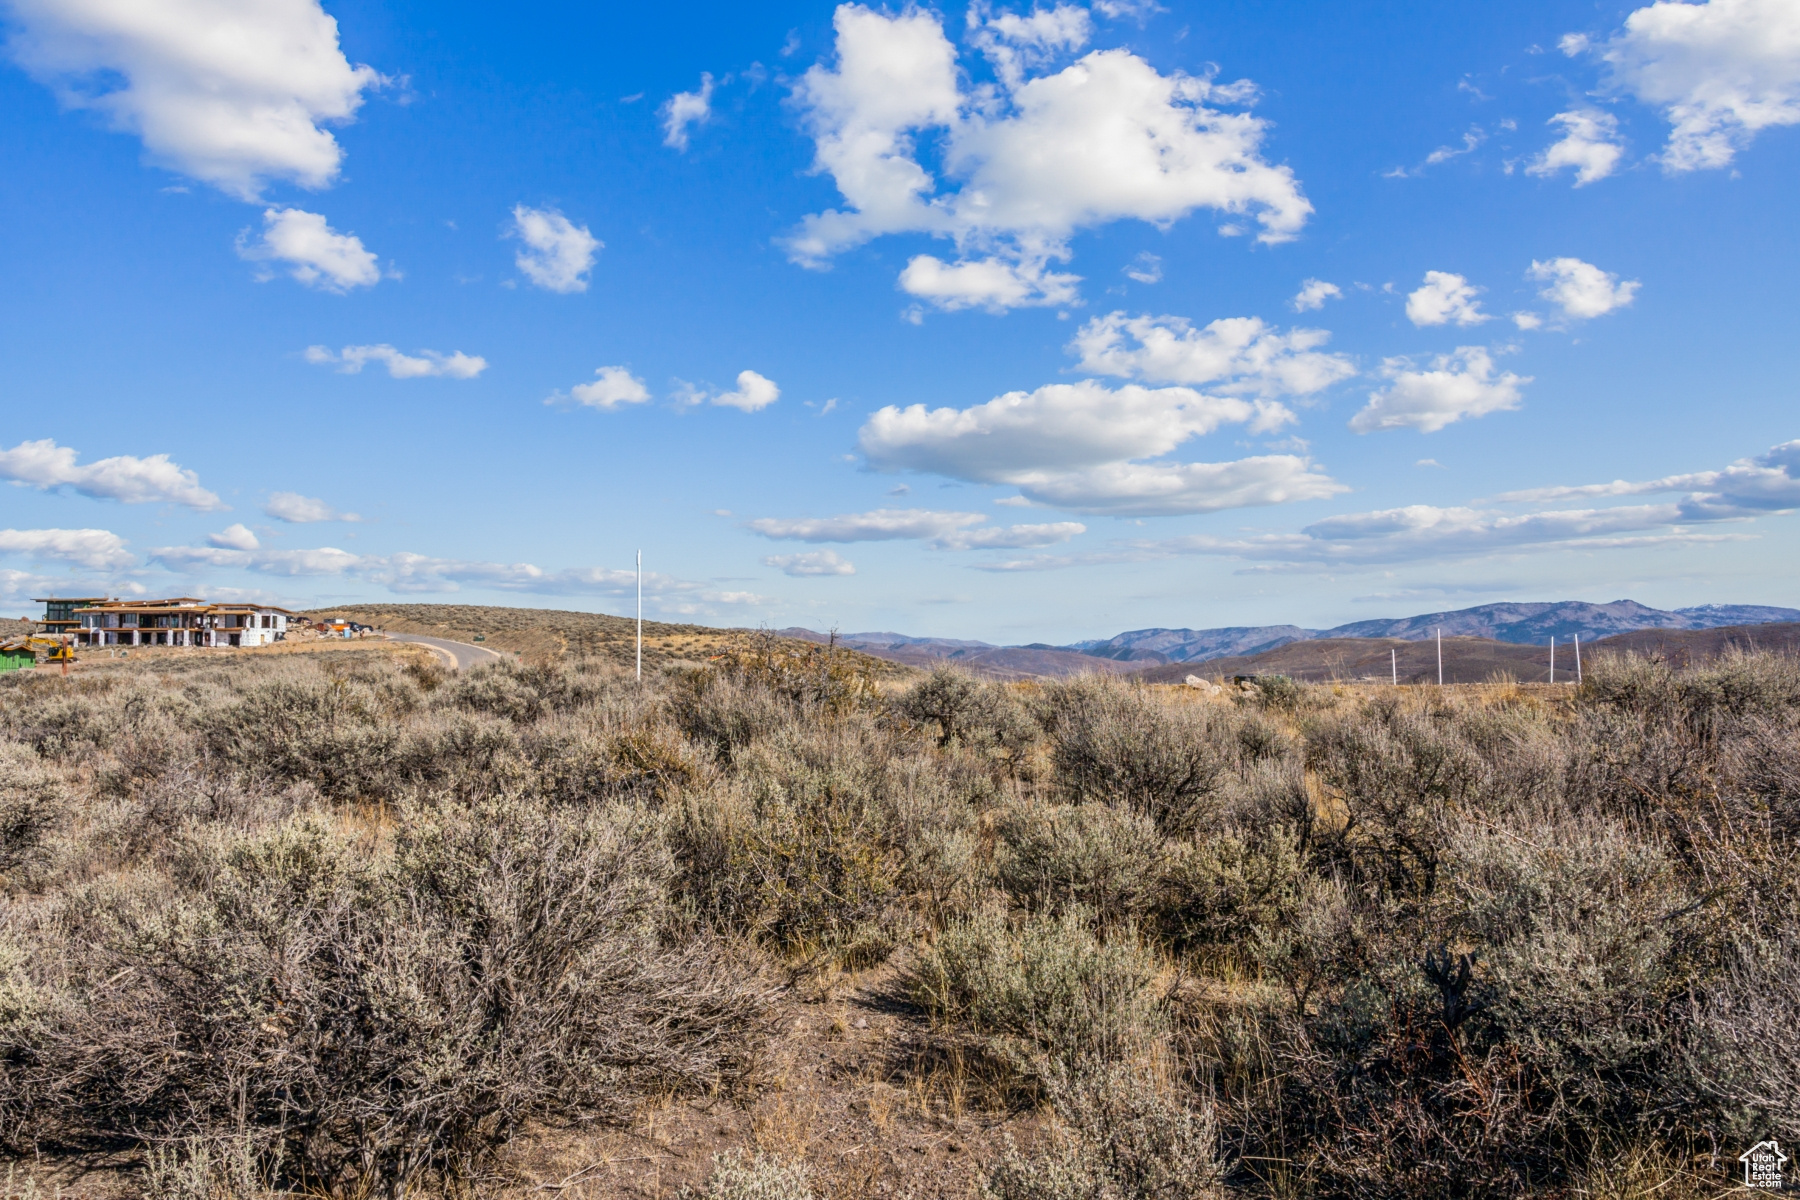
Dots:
pixel 1157 489
pixel 351 359
pixel 994 283
pixel 1456 386
pixel 230 93
pixel 684 110
pixel 1444 298
pixel 406 572
pixel 1424 531
pixel 1721 72
pixel 18 587
pixel 96 549
pixel 1581 289
pixel 881 525
pixel 1314 293
pixel 296 509
pixel 1236 355
pixel 1012 537
pixel 44 465
pixel 234 537
pixel 1061 426
pixel 317 255
pixel 752 394
pixel 943 530
pixel 817 562
pixel 1014 42
pixel 1767 483
pixel 1751 488
pixel 1145 268
pixel 611 387
pixel 1075 446
pixel 555 253
pixel 1589 144
pixel 1026 164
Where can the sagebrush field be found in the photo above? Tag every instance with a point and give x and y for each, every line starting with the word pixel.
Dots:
pixel 342 924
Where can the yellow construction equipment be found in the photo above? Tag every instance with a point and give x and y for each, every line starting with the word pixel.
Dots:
pixel 40 648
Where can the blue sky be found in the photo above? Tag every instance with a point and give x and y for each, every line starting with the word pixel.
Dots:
pixel 1002 322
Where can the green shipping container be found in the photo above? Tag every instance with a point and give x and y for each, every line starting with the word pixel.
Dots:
pixel 17 662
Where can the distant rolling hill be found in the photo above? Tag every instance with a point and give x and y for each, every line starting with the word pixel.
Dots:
pixel 1318 660
pixel 1473 660
pixel 1685 646
pixel 1194 645
pixel 543 634
pixel 995 662
pixel 1478 633
pixel 1531 624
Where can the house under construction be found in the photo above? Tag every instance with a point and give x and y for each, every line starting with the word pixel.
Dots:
pixel 177 621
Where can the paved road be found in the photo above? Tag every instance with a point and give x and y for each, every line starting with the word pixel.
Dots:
pixel 459 654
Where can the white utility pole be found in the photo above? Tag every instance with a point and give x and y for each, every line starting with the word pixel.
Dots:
pixel 1578 660
pixel 1394 663
pixel 1440 649
pixel 640 623
pixel 1553 658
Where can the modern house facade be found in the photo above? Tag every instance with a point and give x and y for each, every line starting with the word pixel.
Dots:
pixel 180 621
pixel 59 612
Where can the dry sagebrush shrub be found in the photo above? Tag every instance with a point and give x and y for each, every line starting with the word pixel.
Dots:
pixel 1046 991
pixel 1577 931
pixel 738 1176
pixel 56 723
pixel 810 677
pixel 1279 692
pixel 33 800
pixel 815 842
pixel 971 712
pixel 726 712
pixel 1398 779
pixel 1743 1051
pixel 1121 1135
pixel 337 734
pixel 1762 766
pixel 1116 743
pixel 378 1017
pixel 211 1168
pixel 1232 891
pixel 1103 859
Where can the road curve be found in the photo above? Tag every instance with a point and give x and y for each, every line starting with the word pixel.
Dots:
pixel 461 655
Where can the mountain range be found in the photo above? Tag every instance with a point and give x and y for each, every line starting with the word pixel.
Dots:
pixel 1137 649
pixel 1526 624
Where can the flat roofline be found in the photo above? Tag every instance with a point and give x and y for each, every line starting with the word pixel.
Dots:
pixel 173 601
pixel 68 599
pixel 171 607
pixel 160 608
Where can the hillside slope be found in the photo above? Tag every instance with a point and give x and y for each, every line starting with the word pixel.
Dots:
pixel 982 658
pixel 542 634
pixel 1524 623
pixel 1687 647
pixel 1473 660
pixel 1368 660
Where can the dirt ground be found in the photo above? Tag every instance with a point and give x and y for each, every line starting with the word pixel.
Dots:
pixel 93 657
pixel 846 1086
